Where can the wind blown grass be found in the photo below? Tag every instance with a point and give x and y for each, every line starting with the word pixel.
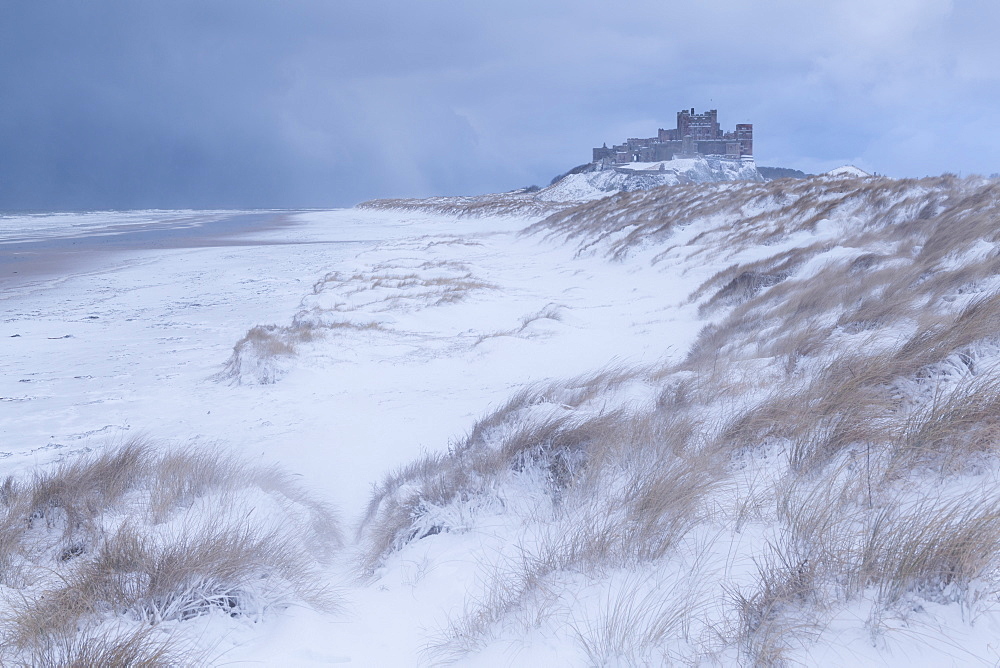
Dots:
pixel 99 551
pixel 830 440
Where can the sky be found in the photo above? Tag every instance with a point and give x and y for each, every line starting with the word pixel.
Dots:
pixel 119 104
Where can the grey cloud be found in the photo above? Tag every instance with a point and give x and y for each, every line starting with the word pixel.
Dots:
pixel 319 103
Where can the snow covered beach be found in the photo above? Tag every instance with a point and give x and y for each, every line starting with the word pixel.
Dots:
pixel 383 337
pixel 130 344
pixel 140 333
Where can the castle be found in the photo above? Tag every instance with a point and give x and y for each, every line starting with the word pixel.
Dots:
pixel 696 134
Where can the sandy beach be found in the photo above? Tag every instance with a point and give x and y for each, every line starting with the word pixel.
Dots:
pixel 33 257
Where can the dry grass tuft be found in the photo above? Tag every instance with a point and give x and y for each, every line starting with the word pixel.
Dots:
pixel 134 536
pixel 501 204
pixel 777 613
pixel 264 353
pixel 142 648
pixel 638 621
pixel 260 355
pixel 407 505
pixel 366 303
pixel 935 548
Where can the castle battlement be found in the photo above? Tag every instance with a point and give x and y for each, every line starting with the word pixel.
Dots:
pixel 695 134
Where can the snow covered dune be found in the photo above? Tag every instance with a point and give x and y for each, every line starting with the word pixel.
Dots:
pixel 733 423
pixel 813 481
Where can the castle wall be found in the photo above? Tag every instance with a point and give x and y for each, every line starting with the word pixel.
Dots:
pixel 695 133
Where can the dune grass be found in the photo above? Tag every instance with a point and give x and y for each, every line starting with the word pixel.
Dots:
pixel 100 550
pixel 832 430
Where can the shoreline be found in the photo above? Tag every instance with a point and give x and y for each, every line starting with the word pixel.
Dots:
pixel 54 256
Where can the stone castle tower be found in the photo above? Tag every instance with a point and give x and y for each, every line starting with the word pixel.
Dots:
pixel 695 134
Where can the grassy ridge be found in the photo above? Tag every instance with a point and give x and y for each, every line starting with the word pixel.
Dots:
pixel 833 432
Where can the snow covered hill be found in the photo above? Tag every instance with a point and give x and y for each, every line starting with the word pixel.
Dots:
pixel 583 186
pixel 732 423
pixel 848 170
pixel 647 175
pixel 813 480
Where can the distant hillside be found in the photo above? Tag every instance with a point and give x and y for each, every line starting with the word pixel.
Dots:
pixel 579 169
pixel 582 184
pixel 772 173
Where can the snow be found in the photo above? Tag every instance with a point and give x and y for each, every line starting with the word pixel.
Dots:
pixel 37 226
pixel 646 175
pixel 96 355
pixel 136 343
pixel 848 170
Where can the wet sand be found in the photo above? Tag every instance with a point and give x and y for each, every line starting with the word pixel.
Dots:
pixel 43 258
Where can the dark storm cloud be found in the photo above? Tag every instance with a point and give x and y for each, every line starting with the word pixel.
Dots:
pixel 293 103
